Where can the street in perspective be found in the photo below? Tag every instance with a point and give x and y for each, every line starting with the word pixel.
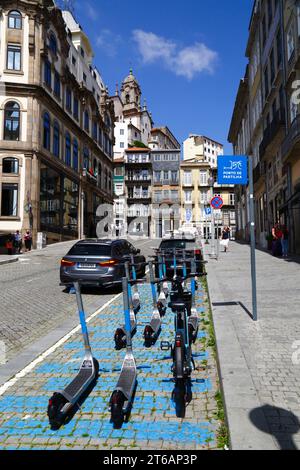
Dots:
pixel 149 228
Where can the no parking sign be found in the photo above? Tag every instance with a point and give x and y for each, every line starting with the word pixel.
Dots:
pixel 217 202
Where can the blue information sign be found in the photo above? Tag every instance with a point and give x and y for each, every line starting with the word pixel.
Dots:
pixel 233 169
pixel 208 210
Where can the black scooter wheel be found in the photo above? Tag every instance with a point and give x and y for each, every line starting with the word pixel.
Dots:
pixel 117 409
pixel 55 411
pixel 148 333
pixel 120 339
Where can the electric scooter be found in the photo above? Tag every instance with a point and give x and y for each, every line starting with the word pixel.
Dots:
pixel 63 403
pixel 136 296
pixel 153 329
pixel 122 397
pixel 194 320
pixel 121 334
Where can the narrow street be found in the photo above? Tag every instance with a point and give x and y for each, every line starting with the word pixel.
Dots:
pixel 153 423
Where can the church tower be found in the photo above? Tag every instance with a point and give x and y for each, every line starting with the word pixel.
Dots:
pixel 131 95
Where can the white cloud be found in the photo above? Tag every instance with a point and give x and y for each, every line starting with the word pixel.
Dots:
pixel 108 41
pixel 187 62
pixel 91 12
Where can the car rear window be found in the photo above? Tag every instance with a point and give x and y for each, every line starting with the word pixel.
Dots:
pixel 90 250
pixel 171 244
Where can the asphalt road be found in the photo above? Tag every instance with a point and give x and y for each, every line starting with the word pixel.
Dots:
pixel 34 310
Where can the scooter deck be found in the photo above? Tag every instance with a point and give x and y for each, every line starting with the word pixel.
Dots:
pixel 155 324
pixel 127 381
pixel 83 379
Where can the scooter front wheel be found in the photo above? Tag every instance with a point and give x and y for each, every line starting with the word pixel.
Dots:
pixel 117 409
pixel 120 339
pixel 57 412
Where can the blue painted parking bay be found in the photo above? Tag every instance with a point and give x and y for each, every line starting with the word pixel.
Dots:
pixel 23 408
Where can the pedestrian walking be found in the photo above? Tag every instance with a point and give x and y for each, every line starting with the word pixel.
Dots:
pixel 18 242
pixel 28 241
pixel 225 239
pixel 277 240
pixel 285 241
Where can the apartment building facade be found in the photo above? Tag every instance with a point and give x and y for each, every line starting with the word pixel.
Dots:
pixel 264 123
pixel 138 191
pixel 196 146
pixel 56 124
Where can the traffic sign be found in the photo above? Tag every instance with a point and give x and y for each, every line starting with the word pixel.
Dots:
pixel 217 202
pixel 208 211
pixel 233 169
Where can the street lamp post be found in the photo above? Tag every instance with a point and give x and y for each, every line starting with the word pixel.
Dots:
pixel 211 183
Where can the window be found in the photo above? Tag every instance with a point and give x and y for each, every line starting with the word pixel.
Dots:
pixel 84 77
pixel 95 131
pixel 86 121
pixel 47 74
pixel 56 139
pixel 75 155
pixel 9 203
pixel 73 60
pixel 46 132
pixel 12 121
pixel 174 177
pixel 69 99
pixel 53 44
pixel 57 84
pixel 188 178
pixel 122 131
pixel 279 48
pixel 86 158
pixel 15 20
pixel 188 196
pixel 157 176
pixel 122 145
pixel 13 57
pixel 68 149
pixel 203 178
pixel 100 137
pixel 232 199
pixel 293 110
pixel 10 166
pixel 76 108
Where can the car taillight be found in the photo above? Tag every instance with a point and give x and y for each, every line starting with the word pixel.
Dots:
pixel 109 263
pixel 65 263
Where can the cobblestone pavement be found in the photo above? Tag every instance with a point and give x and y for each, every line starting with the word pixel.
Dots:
pixel 153 423
pixel 260 362
pixel 32 302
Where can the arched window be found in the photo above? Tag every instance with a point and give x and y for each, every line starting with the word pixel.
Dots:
pixel 53 44
pixel 56 139
pixel 75 154
pixel 68 149
pixel 46 131
pixel 10 165
pixel 86 158
pixel 15 20
pixel 12 121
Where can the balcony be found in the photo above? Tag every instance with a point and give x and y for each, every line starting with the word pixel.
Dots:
pixel 259 172
pixel 292 140
pixel 138 179
pixel 271 131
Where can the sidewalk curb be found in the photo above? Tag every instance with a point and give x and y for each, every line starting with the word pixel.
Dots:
pixel 9 261
pixel 241 399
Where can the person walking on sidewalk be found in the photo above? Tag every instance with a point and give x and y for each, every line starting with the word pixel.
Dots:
pixel 277 238
pixel 225 239
pixel 28 241
pixel 18 242
pixel 285 241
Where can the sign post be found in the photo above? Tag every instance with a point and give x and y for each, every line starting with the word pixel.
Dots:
pixel 238 170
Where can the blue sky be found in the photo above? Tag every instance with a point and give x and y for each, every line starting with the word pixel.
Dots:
pixel 188 56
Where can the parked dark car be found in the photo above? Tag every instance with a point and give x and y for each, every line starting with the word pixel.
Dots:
pixel 99 263
pixel 192 249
